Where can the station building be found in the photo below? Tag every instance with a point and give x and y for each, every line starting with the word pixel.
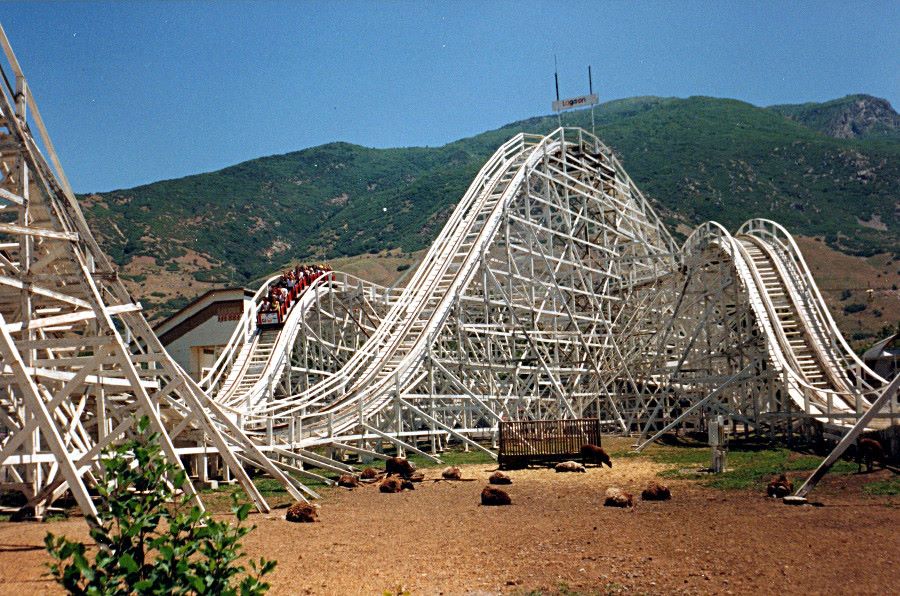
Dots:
pixel 197 334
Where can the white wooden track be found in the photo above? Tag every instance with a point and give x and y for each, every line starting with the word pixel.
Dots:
pixel 554 290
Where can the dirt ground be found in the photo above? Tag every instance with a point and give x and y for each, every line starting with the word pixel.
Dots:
pixel 556 538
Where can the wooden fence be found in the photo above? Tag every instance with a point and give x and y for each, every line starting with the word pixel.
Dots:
pixel 526 442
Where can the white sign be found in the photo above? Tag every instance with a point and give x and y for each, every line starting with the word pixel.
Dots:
pixel 575 102
pixel 268 318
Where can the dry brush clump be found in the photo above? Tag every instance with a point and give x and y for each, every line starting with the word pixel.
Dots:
pixel 499 478
pixel 656 492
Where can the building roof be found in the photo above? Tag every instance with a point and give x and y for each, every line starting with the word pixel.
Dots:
pixel 198 304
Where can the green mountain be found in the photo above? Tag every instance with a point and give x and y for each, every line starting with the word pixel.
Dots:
pixel 699 158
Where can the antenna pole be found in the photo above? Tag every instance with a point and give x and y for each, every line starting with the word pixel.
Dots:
pixel 591 91
pixel 556 79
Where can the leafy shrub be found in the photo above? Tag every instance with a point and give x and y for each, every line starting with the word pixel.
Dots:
pixel 403 267
pixel 853 308
pixel 150 541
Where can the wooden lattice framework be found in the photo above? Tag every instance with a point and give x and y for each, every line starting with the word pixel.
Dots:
pixel 554 291
pixel 79 361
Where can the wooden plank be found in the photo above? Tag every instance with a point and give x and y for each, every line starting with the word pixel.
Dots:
pixel 60 343
pixel 11 197
pixel 50 433
pixel 39 232
pixel 60 375
pixel 74 317
pixel 15 283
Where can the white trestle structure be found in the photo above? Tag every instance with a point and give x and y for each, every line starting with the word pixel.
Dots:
pixel 553 291
pixel 79 361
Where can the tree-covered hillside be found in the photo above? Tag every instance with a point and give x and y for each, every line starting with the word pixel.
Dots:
pixel 699 158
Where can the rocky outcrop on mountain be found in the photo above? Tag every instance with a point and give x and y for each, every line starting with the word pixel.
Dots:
pixel 851 117
pixel 864 115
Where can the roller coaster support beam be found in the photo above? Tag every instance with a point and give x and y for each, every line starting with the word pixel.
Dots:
pixel 449 429
pixel 400 443
pixel 690 410
pixel 888 394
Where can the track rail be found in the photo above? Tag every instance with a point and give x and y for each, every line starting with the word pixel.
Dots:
pixel 822 376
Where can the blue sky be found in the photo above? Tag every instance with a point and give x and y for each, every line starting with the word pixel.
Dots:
pixel 140 91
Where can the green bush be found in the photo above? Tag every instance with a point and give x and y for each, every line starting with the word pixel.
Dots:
pixel 151 541
pixel 853 308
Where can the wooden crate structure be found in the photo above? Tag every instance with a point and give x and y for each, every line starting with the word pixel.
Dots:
pixel 527 442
